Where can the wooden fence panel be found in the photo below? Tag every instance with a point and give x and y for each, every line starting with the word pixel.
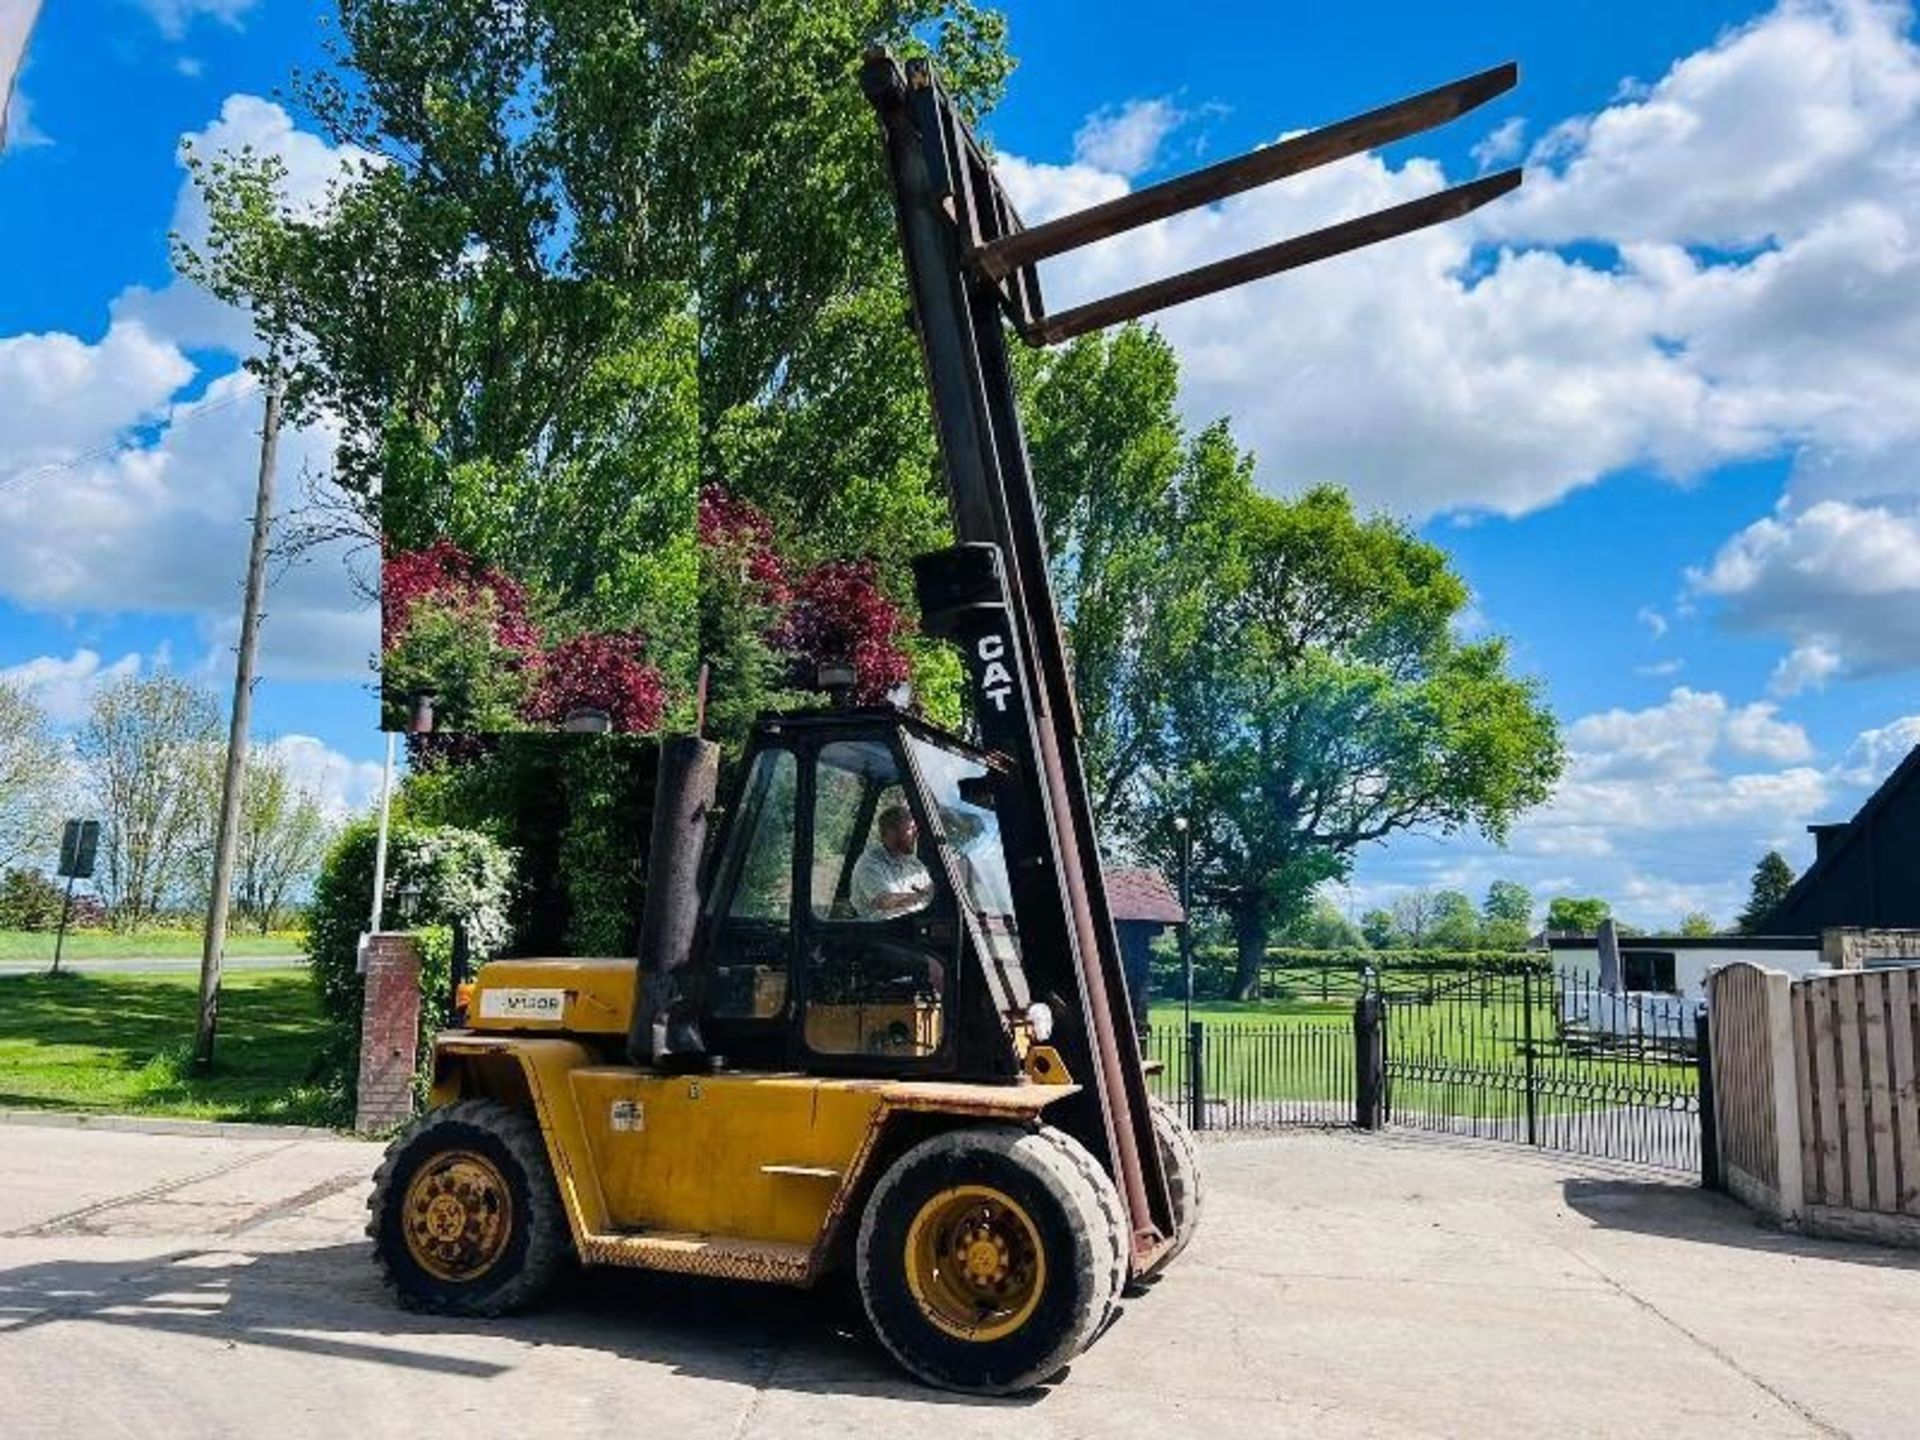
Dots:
pixel 1860 1042
pixel 1881 1153
pixel 1754 1091
pixel 1820 1066
pixel 1903 1038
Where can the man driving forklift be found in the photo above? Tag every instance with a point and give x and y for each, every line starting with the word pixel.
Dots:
pixel 889 879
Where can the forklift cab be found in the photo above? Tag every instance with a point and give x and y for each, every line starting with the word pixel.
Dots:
pixel 837 939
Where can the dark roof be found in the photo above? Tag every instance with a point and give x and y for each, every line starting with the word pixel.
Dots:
pixel 1142 894
pixel 1905 773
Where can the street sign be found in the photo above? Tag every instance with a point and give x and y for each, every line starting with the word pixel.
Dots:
pixel 78 844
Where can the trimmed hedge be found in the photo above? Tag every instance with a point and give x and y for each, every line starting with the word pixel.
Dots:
pixel 1497 962
pixel 1215 967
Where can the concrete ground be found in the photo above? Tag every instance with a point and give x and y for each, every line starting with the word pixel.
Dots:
pixel 206 1285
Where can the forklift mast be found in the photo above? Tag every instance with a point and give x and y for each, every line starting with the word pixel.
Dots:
pixel 970 266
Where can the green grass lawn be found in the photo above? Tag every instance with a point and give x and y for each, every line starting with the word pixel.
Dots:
pixel 142 945
pixel 120 1044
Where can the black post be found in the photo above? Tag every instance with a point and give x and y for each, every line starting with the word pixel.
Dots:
pixel 1196 1076
pixel 1368 1061
pixel 1526 1030
pixel 60 935
pixel 1709 1121
pixel 459 971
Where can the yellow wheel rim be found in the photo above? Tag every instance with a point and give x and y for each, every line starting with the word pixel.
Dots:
pixel 457 1216
pixel 975 1263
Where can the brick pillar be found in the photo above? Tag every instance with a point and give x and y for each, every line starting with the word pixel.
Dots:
pixel 389 1033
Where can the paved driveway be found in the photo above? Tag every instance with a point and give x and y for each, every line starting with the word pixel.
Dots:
pixel 199 1285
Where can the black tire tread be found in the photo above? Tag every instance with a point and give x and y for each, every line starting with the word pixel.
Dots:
pixel 1180 1158
pixel 550 1242
pixel 1092 1208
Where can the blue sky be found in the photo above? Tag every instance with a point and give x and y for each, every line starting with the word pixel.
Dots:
pixel 1662 406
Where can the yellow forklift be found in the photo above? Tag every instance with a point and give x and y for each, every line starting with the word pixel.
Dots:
pixel 879 1019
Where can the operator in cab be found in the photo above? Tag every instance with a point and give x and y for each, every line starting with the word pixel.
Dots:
pixel 889 879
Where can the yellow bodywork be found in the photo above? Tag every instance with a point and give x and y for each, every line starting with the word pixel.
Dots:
pixel 746 1175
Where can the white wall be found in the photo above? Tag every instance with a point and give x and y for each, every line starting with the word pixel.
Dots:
pixel 1690 965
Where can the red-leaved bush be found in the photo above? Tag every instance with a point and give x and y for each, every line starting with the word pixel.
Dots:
pixel 600 672
pixel 456 578
pixel 733 531
pixel 839 613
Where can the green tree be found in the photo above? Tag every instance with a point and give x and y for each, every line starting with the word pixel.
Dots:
pixel 1322 927
pixel 1507 902
pixel 1378 929
pixel 1456 924
pixel 147 749
pixel 30 778
pixel 1324 699
pixel 1570 915
pixel 1698 923
pixel 1110 460
pixel 283 836
pixel 602 252
pixel 1772 878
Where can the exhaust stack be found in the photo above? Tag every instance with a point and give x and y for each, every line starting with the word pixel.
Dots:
pixel 665 1029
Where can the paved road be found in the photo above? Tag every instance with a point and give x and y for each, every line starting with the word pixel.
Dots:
pixel 143 965
pixel 1342 1285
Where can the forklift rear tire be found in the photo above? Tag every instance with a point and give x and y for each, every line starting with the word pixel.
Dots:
pixel 464 1216
pixel 990 1256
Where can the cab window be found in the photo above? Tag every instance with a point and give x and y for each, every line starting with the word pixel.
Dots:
pixel 882 943
pixel 752 940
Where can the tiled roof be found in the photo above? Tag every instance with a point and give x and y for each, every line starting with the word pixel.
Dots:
pixel 1141 894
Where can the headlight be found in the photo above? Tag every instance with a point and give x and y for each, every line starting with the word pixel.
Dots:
pixel 1040 1021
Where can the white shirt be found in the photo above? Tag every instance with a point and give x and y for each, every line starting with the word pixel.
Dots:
pixel 879 873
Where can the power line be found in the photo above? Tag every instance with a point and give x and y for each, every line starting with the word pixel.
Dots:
pixel 116 447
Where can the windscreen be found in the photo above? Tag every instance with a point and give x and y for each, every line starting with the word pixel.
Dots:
pixel 973 831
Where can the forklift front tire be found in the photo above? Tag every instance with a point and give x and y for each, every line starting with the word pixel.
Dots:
pixel 1181 1165
pixel 464 1216
pixel 990 1256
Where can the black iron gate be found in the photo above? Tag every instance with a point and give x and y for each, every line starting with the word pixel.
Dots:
pixel 1553 1061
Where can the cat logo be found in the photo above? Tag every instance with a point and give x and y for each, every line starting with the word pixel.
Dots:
pixel 996 680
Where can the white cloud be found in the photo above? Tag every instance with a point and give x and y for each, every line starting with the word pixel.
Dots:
pixel 1753 731
pixel 163 528
pixel 1872 757
pixel 19 131
pixel 1762 135
pixel 174 17
pixel 1663 810
pixel 1502 143
pixel 60 396
pixel 64 688
pixel 343 787
pixel 1655 622
pixel 1126 139
pixel 1808 666
pixel 159 524
pixel 1842 581
pixel 1660 669
pixel 1433 374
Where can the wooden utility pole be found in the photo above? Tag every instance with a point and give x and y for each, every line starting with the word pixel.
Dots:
pixel 233 785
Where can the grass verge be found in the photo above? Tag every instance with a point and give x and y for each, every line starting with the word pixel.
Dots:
pixel 122 1045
